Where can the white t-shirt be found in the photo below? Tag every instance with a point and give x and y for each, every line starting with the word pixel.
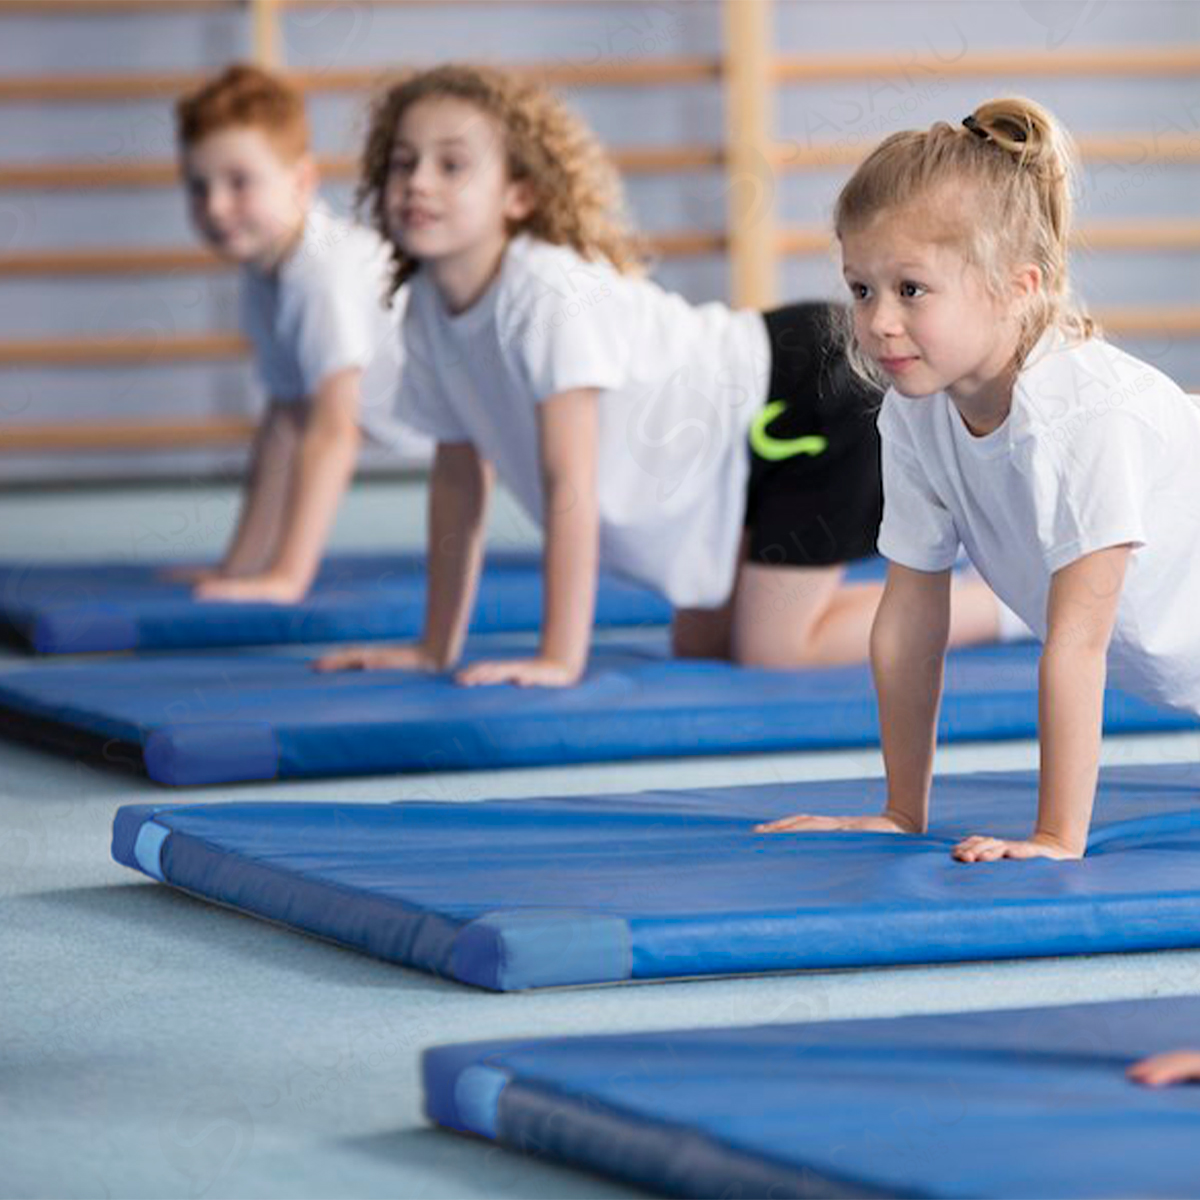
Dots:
pixel 1099 449
pixel 323 311
pixel 679 386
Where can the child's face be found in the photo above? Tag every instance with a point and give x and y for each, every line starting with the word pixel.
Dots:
pixel 246 201
pixel 448 191
pixel 925 314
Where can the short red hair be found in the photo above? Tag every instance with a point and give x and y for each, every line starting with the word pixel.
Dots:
pixel 245 96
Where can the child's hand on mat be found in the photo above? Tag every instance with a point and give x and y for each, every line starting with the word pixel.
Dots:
pixel 1180 1066
pixel 991 849
pixel 267 588
pixel 525 672
pixel 378 658
pixel 810 823
pixel 190 575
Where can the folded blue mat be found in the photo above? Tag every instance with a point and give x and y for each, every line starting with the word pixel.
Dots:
pixel 536 893
pixel 86 607
pixel 1010 1105
pixel 220 719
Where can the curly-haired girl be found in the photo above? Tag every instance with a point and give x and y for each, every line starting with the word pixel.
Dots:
pixel 633 426
pixel 1065 467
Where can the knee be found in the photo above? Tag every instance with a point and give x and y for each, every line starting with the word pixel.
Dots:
pixel 763 647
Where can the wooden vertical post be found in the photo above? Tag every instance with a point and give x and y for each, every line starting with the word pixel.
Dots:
pixel 264 33
pixel 750 172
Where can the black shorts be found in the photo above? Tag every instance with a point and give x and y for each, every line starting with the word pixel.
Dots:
pixel 815 496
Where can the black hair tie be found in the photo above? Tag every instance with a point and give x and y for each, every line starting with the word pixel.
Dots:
pixel 1018 135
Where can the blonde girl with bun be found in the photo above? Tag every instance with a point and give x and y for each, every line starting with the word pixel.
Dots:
pixel 1066 468
pixel 726 458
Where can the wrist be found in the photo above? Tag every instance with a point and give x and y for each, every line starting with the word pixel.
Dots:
pixel 904 818
pixel 1073 847
pixel 434 658
pixel 576 664
pixel 294 575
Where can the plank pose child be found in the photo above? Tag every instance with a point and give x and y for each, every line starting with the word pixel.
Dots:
pixel 1065 467
pixel 325 343
pixel 631 425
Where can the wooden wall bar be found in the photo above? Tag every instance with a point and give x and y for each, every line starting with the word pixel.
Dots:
pixel 750 74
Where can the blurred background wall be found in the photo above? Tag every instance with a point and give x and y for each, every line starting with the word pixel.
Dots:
pixel 735 121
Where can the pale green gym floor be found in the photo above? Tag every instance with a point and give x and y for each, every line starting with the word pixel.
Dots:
pixel 153 1045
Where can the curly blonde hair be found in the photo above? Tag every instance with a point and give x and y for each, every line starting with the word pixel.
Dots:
pixel 1011 165
pixel 578 200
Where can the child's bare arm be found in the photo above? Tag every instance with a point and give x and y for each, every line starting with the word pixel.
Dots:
pixel 459 490
pixel 908 647
pixel 322 466
pixel 260 515
pixel 567 437
pixel 1081 611
pixel 1178 1066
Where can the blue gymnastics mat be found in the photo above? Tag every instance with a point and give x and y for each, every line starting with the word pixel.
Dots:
pixel 228 718
pixel 604 889
pixel 1000 1105
pixel 82 608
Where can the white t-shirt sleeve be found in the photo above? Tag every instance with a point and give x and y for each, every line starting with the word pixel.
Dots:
pixel 337 321
pixel 917 530
pixel 565 324
pixel 1092 489
pixel 421 401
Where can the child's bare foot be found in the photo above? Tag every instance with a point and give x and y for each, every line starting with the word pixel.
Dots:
pixel 1179 1066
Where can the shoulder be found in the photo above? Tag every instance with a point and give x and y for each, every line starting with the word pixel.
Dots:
pixel 1065 387
pixel 537 273
pixel 335 249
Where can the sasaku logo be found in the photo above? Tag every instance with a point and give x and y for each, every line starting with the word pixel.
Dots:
pixel 671 449
pixel 1061 18
pixel 208 1138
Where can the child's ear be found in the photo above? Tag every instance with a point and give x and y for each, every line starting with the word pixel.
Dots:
pixel 1027 282
pixel 307 178
pixel 519 200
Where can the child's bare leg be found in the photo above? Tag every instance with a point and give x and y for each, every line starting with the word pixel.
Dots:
pixel 701 632
pixel 780 617
pixel 705 632
pixel 807 616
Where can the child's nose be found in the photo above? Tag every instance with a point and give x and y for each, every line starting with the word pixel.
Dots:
pixel 885 319
pixel 217 204
pixel 422 176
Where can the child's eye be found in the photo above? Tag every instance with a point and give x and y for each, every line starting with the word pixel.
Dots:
pixel 402 166
pixel 911 291
pixel 859 291
pixel 452 166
